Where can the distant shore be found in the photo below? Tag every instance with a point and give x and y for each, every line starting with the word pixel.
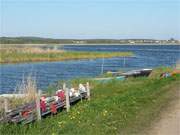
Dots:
pixel 128 41
pixel 77 44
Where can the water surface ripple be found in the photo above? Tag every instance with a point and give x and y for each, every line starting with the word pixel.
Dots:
pixel 50 72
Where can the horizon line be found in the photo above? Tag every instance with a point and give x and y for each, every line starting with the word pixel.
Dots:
pixel 86 38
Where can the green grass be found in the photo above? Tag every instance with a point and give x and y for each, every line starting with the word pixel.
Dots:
pixel 117 107
pixel 17 55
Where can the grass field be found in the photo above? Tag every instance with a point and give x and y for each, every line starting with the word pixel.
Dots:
pixel 35 54
pixel 117 107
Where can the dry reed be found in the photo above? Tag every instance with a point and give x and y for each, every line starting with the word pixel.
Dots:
pixel 27 88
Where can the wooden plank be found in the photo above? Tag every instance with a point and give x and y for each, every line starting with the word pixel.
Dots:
pixel 88 90
pixel 38 109
pixel 74 99
pixel 67 97
pixel 30 119
pixel 5 105
pixel 28 106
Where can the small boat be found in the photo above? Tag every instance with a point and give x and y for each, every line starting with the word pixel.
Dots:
pixel 122 76
pixel 137 73
pixel 145 72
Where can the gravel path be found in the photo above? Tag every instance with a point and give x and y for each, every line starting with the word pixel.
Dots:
pixel 169 123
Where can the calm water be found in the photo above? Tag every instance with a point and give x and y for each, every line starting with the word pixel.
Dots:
pixel 47 73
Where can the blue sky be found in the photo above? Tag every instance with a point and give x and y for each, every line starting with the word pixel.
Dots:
pixel 158 19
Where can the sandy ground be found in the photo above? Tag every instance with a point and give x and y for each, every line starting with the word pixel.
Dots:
pixel 169 122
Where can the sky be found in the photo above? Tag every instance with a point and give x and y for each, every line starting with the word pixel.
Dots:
pixel 118 19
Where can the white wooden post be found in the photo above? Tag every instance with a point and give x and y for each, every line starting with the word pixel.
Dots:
pixel 5 105
pixel 67 97
pixel 38 109
pixel 102 66
pixel 88 90
pixel 79 93
pixel 124 64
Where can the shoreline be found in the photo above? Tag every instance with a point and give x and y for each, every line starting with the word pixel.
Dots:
pixel 116 105
pixel 148 44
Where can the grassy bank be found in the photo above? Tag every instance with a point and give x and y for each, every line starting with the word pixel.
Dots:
pixel 117 107
pixel 29 54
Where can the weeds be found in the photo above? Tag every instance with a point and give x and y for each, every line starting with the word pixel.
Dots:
pixel 27 91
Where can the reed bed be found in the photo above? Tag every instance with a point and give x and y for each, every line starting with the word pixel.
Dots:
pixel 36 54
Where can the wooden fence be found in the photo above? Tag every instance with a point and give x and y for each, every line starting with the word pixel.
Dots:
pixel 32 111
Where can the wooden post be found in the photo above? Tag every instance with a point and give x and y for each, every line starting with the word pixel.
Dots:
pixel 88 90
pixel 67 97
pixel 102 66
pixel 5 105
pixel 80 93
pixel 124 64
pixel 38 109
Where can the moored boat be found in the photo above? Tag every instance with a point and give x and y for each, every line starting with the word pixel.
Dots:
pixel 138 73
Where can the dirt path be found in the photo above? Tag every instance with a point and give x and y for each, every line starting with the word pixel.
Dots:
pixel 169 123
